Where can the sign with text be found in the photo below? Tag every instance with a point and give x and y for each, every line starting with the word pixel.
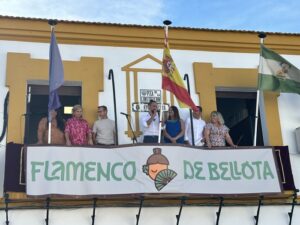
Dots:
pixel 150 94
pixel 149 169
pixel 143 107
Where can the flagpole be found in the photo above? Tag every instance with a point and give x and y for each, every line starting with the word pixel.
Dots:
pixel 160 117
pixel 52 24
pixel 261 36
pixel 166 27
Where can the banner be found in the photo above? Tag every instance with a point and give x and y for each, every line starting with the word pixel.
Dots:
pixel 149 170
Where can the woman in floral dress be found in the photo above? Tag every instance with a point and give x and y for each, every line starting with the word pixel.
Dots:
pixel 216 133
pixel 77 130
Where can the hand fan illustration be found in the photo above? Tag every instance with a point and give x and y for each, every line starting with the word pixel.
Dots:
pixel 163 178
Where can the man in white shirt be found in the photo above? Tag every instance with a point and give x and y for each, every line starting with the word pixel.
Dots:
pixel 150 124
pixel 104 129
pixel 198 125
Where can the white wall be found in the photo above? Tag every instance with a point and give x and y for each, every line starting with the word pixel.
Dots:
pixel 289 105
pixel 117 57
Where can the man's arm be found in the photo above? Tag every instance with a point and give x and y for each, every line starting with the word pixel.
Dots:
pixel 206 135
pixel 41 130
pixel 89 134
pixel 152 118
pixel 90 139
pixel 186 134
pixel 94 134
pixel 67 134
pixel 94 138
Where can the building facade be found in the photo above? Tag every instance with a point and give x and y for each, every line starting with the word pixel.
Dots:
pixel 222 67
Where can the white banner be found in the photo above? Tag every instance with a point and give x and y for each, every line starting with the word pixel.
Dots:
pixel 149 169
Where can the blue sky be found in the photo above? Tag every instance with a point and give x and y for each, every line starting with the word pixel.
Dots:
pixel 255 15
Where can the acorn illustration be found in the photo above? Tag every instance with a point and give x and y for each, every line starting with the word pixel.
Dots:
pixel 157 169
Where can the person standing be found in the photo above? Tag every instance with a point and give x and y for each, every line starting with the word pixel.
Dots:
pixel 216 132
pixel 150 123
pixel 174 127
pixel 57 130
pixel 104 132
pixel 198 127
pixel 77 131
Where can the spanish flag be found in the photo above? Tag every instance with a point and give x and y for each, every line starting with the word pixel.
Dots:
pixel 172 81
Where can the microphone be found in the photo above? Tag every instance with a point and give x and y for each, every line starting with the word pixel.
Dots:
pixel 125 114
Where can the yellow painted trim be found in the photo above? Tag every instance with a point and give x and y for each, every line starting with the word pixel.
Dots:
pixel 164 92
pixel 207 78
pixel 172 98
pixel 136 99
pixel 128 69
pixel 21 68
pixel 135 62
pixel 272 119
pixel 37 30
pixel 144 70
pixel 122 201
pixel 128 94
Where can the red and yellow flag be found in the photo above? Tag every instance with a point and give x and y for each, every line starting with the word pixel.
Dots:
pixel 172 81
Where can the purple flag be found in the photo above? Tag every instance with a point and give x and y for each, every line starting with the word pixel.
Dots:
pixel 56 74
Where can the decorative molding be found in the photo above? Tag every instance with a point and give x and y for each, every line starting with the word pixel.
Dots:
pixel 80 33
pixel 21 68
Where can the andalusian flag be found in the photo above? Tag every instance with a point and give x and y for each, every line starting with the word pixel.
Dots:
pixel 172 81
pixel 277 74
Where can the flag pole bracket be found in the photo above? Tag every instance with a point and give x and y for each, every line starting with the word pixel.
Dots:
pixel 94 210
pixel 260 203
pixel 180 209
pixel 47 210
pixel 262 35
pixel 52 22
pixel 167 22
pixel 6 199
pixel 293 206
pixel 221 200
pixel 140 209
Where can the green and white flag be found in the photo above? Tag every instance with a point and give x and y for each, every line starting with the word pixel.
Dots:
pixel 277 74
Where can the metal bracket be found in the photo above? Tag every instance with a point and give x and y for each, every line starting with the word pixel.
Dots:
pixel 260 203
pixel 220 209
pixel 293 205
pixel 94 210
pixel 186 77
pixel 180 209
pixel 47 212
pixel 140 209
pixel 6 196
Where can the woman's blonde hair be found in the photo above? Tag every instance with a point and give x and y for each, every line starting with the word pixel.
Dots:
pixel 219 116
pixel 76 107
